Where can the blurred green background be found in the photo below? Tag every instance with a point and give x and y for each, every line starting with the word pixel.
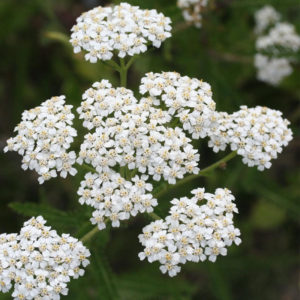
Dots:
pixel 37 63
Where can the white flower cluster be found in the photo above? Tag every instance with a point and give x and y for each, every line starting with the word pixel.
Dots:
pixel 191 232
pixel 124 29
pixel 276 44
pixel 133 134
pixel 43 138
pixel 115 198
pixel 8 245
pixel 38 263
pixel 265 17
pixel 257 134
pixel 188 99
pixel 272 70
pixel 192 10
pixel 281 36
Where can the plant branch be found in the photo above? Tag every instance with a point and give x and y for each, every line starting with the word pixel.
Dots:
pixel 218 163
pixel 154 216
pixel 89 235
pixel 130 62
pixel 112 64
pixel 195 176
pixel 123 73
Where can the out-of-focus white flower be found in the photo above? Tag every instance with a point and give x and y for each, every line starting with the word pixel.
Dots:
pixel 125 29
pixel 282 36
pixel 192 10
pixel 38 263
pixel 276 44
pixel 272 70
pixel 257 134
pixel 43 138
pixel 265 17
pixel 191 232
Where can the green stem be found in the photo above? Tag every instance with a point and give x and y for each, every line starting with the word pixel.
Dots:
pixel 218 163
pixel 194 176
pixel 89 235
pixel 104 275
pixel 154 216
pixel 123 73
pixel 112 64
pixel 130 62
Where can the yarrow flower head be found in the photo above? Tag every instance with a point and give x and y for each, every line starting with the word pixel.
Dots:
pixel 196 228
pixel 43 138
pixel 276 44
pixel 272 70
pixel 265 17
pixel 123 29
pixel 38 263
pixel 257 134
pixel 192 10
pixel 281 36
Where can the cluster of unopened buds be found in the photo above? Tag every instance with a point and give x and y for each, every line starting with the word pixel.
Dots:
pixel 192 10
pixel 276 44
pixel 132 145
pixel 37 263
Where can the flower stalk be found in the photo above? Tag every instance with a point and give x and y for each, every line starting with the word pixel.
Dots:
pixel 195 176
pixel 89 235
pixel 123 72
pixel 154 216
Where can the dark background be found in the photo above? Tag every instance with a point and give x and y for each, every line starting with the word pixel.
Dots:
pixel 37 62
